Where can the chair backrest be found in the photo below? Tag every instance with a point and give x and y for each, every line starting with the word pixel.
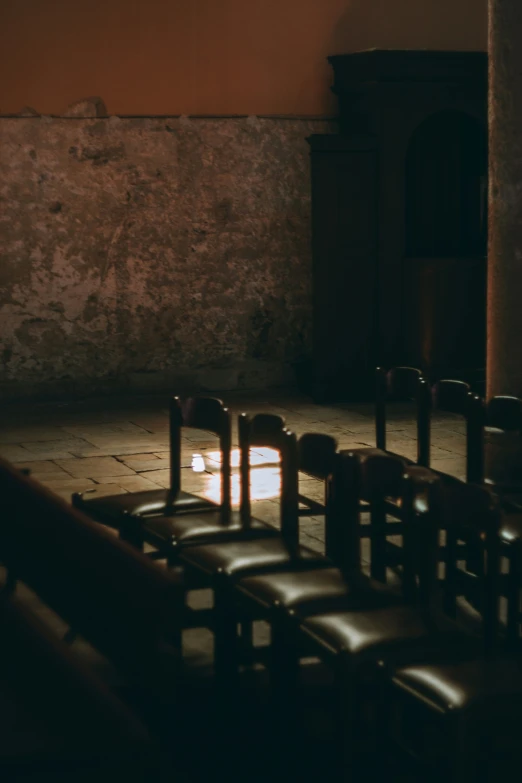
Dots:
pixel 112 595
pixel 404 383
pixel 457 397
pixel 504 413
pixel 381 475
pixel 501 450
pixel 342 540
pixel 451 396
pixel 84 725
pixel 316 457
pixel 469 514
pixel 201 413
pixel 269 431
pixel 316 454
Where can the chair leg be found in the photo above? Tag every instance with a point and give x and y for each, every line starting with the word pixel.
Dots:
pixel 378 544
pixel 345 719
pixel 464 753
pixel 284 660
pixel 247 642
pixel 226 652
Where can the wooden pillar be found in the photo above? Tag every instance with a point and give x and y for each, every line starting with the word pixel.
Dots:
pixel 504 310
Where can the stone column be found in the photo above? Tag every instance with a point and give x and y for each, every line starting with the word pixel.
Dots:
pixel 504 315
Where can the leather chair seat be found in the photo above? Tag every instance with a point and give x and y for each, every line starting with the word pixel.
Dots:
pixel 463 684
pixel 154 502
pixel 185 529
pixel 295 588
pixel 394 632
pixel 313 591
pixel 234 557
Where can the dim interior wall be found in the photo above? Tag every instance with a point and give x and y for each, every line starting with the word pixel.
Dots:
pixel 151 57
pixel 152 254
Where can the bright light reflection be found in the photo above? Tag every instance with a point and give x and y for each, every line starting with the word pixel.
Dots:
pixel 260 456
pixel 265 483
pixel 198 463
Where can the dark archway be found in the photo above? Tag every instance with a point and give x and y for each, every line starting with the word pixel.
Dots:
pixel 446 244
pixel 446 188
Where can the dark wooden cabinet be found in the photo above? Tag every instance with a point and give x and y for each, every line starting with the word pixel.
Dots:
pixel 399 219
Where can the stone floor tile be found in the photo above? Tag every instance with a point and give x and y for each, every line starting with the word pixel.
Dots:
pixel 15 453
pixel 99 490
pixel 72 446
pixel 160 477
pixel 267 511
pixel 43 468
pixel 455 466
pixel 311 543
pixel 69 485
pixel 142 465
pixel 152 423
pixel 51 480
pixel 130 483
pixel 139 443
pixel 93 467
pixel 145 456
pixel 112 450
pixel 450 442
pixel 21 434
pixel 201 438
pixel 111 429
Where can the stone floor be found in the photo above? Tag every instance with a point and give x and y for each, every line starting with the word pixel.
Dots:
pixel 112 446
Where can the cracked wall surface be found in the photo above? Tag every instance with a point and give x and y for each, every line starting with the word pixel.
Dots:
pixel 153 253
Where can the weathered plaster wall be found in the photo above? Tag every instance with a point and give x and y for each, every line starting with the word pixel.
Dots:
pixel 146 253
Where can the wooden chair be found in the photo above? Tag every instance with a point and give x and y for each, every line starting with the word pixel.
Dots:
pixel 59 722
pixel 120 602
pixel 316 455
pixel 468 704
pixel 376 623
pixel 219 564
pixel 501 465
pixel 449 396
pixel 403 383
pixel 279 596
pixel 169 533
pixel 315 458
pixel 457 397
pixel 201 413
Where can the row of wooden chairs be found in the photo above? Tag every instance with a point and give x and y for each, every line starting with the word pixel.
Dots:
pixel 347 619
pixel 487 423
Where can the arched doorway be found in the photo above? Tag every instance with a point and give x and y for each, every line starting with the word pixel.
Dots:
pixel 446 245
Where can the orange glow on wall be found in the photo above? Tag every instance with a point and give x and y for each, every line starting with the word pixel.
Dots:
pixel 208 56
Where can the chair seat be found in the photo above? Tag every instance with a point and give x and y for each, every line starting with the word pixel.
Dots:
pixel 295 588
pixel 154 502
pixel 235 557
pixel 189 529
pixel 463 684
pixel 395 631
pixel 313 591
